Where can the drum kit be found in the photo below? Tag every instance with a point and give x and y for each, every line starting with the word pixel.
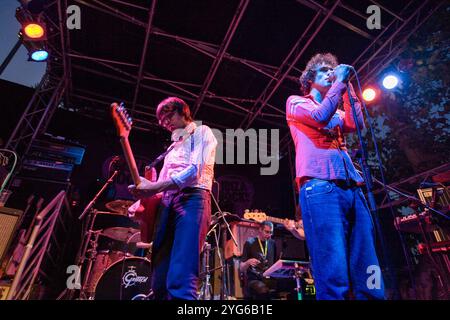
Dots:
pixel 117 263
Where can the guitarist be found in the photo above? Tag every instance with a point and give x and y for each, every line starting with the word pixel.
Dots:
pixel 185 212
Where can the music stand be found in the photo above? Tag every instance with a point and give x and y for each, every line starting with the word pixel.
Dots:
pixel 285 269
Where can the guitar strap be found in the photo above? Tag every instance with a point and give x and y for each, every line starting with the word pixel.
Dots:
pixel 170 148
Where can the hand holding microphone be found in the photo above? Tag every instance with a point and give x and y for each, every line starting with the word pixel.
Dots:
pixel 342 73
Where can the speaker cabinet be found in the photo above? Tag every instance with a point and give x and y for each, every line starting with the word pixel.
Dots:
pixel 242 231
pixel 8 224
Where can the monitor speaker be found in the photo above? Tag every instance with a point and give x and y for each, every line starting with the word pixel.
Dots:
pixel 9 219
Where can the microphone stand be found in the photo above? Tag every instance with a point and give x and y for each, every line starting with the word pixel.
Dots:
pixel 88 232
pixel 94 200
pixel 224 293
pixel 370 196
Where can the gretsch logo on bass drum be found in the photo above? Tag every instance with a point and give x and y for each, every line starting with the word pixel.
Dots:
pixel 130 278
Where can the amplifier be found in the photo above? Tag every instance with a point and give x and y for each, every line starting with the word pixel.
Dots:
pixel 4 290
pixel 8 224
pixel 242 230
pixel 51 150
pixel 51 170
pixel 411 223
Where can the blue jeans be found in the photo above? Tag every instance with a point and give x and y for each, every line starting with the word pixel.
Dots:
pixel 340 236
pixel 180 231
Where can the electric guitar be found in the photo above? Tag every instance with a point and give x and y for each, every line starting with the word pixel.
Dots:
pixel 260 216
pixel 147 207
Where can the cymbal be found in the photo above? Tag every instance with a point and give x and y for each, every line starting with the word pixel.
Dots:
pixel 122 234
pixel 108 213
pixel 119 206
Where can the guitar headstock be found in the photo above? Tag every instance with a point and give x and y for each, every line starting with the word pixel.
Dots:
pixel 121 119
pixel 258 216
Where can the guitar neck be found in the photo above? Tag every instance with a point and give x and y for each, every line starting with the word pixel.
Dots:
pixel 279 220
pixel 130 160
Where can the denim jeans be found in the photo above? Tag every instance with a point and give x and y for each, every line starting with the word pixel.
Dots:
pixel 180 231
pixel 340 236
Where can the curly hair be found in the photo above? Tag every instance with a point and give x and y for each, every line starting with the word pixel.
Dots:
pixel 309 74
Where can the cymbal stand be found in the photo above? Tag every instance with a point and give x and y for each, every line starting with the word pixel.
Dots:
pixel 86 239
pixel 88 246
pixel 91 256
pixel 298 276
pixel 224 293
pixel 206 289
pixel 88 242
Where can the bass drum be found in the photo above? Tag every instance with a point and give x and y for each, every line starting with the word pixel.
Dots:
pixel 103 260
pixel 126 279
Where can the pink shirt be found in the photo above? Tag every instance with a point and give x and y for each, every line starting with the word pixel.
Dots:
pixel 318 133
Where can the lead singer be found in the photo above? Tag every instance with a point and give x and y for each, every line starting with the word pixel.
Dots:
pixel 183 219
pixel 338 226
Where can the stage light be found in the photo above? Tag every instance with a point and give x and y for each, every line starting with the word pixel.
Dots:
pixel 390 82
pixel 34 31
pixel 39 55
pixel 369 94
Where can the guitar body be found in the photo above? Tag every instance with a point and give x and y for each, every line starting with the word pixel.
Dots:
pixel 146 216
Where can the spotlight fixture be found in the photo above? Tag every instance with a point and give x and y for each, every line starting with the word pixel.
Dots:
pixel 390 82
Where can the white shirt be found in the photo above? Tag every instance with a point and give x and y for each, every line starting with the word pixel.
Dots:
pixel 191 161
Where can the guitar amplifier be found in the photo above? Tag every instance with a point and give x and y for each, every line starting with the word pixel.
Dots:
pixel 8 224
pixel 242 231
pixel 47 169
pixel 51 150
pixel 4 289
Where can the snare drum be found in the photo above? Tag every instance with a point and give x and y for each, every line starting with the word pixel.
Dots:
pixel 126 279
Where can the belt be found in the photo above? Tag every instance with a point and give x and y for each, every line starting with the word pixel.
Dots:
pixel 190 189
pixel 339 182
pixel 174 193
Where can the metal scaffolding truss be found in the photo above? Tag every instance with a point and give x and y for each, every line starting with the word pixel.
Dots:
pixel 263 104
pixel 383 47
pixel 405 187
pixel 50 91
